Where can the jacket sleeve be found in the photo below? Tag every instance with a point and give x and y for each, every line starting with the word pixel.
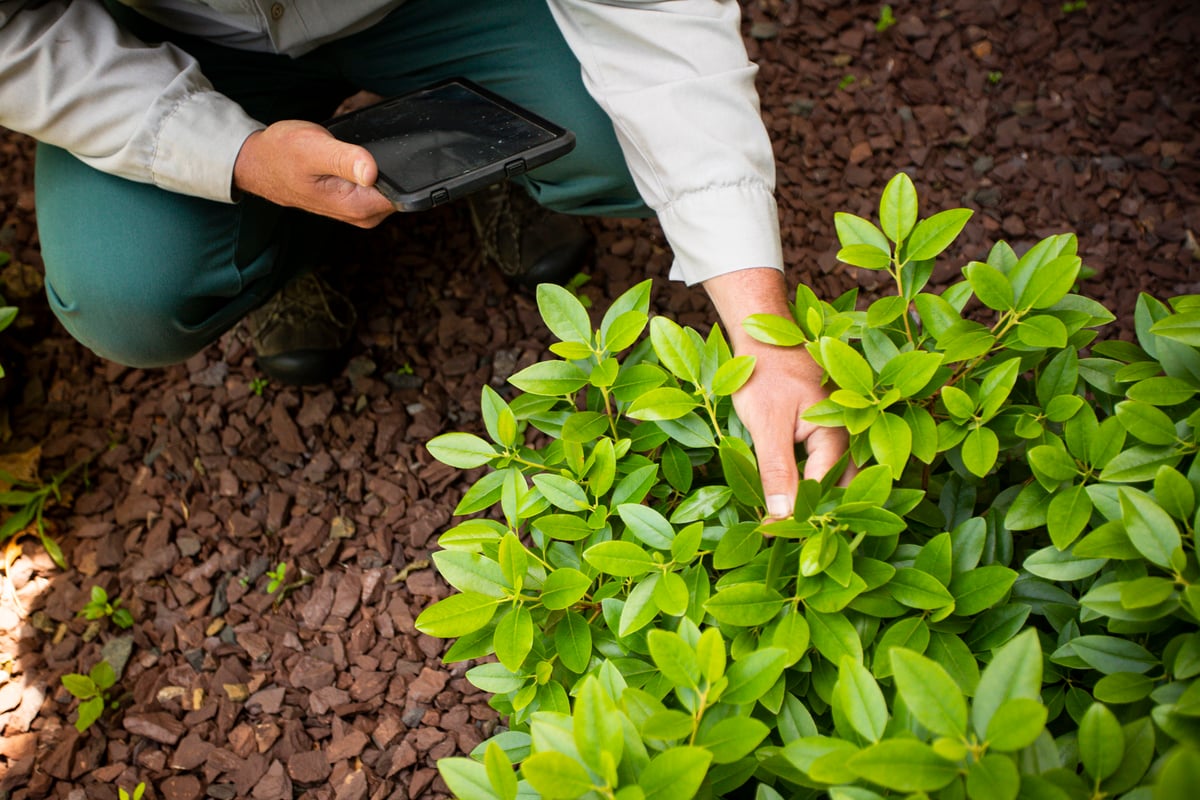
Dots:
pixel 676 80
pixel 70 77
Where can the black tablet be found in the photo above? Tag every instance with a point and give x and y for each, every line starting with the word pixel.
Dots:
pixel 447 140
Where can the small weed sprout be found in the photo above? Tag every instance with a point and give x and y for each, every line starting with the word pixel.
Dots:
pixel 258 385
pixel 404 369
pixel 575 284
pixel 845 82
pixel 92 691
pixel 100 607
pixel 886 19
pixel 138 791
pixel 1071 6
pixel 994 77
pixel 277 576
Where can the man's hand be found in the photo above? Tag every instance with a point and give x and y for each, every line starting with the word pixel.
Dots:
pixel 786 381
pixel 301 165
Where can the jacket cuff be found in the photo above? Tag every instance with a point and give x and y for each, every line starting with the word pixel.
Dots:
pixel 722 229
pixel 198 143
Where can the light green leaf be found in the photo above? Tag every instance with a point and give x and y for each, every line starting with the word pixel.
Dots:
pixel 751 677
pixel 470 780
pixel 891 442
pixel 933 235
pixel 904 765
pixel 461 450
pixel 917 589
pixel 1042 330
pixel 597 726
pixel 622 559
pixel 993 777
pixel 848 369
pixel 833 635
pixel 1016 724
pixel 744 604
pixel 514 637
pixel 664 403
pixel 573 642
pixel 991 286
pixel 556 776
pixel 562 492
pixel 563 314
pixel 853 229
pixel 1150 529
pixel 773 329
pixel 498 767
pixel 865 256
pixel 674 657
pixel 457 615
pixel 980 448
pixel 732 375
pixel 675 349
pixel 929 692
pixel 550 378
pixel 898 208
pixel 676 773
pixel 860 699
pixel 1101 742
pixel 649 526
pixel 733 738
pixel 564 587
pixel 1015 671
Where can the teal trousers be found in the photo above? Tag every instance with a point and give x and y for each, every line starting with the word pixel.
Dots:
pixel 147 277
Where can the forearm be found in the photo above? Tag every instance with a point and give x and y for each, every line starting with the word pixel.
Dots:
pixel 740 294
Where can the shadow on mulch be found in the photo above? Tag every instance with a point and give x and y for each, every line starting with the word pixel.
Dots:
pixel 201 481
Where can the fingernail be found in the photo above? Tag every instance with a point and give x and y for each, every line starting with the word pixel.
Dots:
pixel 360 173
pixel 779 505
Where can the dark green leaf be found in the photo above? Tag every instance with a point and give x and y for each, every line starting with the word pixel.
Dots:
pixel 1101 742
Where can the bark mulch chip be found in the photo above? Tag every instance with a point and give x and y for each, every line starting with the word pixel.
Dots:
pixel 198 482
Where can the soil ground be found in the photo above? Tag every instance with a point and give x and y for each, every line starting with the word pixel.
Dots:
pixel 198 480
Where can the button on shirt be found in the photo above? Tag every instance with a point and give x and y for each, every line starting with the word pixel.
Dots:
pixel 672 74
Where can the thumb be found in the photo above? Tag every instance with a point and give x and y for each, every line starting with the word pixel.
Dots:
pixel 825 448
pixel 351 162
pixel 779 475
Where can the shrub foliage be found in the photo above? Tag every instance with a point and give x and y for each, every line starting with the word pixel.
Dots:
pixel 1001 603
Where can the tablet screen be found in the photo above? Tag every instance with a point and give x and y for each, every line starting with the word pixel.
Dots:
pixel 437 134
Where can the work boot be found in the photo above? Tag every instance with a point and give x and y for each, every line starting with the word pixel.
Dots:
pixel 301 336
pixel 528 243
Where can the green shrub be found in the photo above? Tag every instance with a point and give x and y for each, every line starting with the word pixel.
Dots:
pixel 1001 603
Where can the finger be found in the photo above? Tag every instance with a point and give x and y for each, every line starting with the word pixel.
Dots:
pixel 777 469
pixel 825 446
pixel 349 162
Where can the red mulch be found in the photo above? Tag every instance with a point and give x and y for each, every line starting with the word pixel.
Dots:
pixel 1043 121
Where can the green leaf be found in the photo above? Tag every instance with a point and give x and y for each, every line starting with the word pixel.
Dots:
pixel 853 230
pixel 1101 742
pixel 860 699
pixel 597 726
pixel 563 588
pixel 833 635
pixel 556 776
pixel 1146 422
pixel 773 329
pixel 1140 463
pixel 470 780
pixel 891 442
pixel 1150 529
pixel 732 375
pixel 1068 515
pixel 671 594
pixel 651 527
pixel 917 589
pixel 471 572
pixel 1050 283
pixel 461 450
pixel 980 449
pixel 751 677
pixel 956 658
pixel 623 331
pixel 1042 330
pixel 1111 654
pixel 639 609
pixel 1162 391
pixel 993 777
pixel 457 615
pixel 80 686
pixel 1183 327
pixel 741 474
pixel 904 765
pixel 674 657
pixel 675 773
pixel 910 372
pixel 733 738
pixel 744 604
pixel 1056 565
pixel 675 349
pixel 933 235
pixel 1016 724
pixel 929 693
pixel 737 546
pixel 1015 671
pixel 562 492
pixel 848 369
pixel 573 642
pixel 898 208
pixel 563 314
pixel 1119 688
pixel 865 255
pixel 622 559
pixel 662 404
pixel 564 527
pixel 89 711
pixel 710 654
pixel 499 771
pixel 991 286
pixel 981 588
pixel 668 725
pixel 514 637
pixel 550 378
